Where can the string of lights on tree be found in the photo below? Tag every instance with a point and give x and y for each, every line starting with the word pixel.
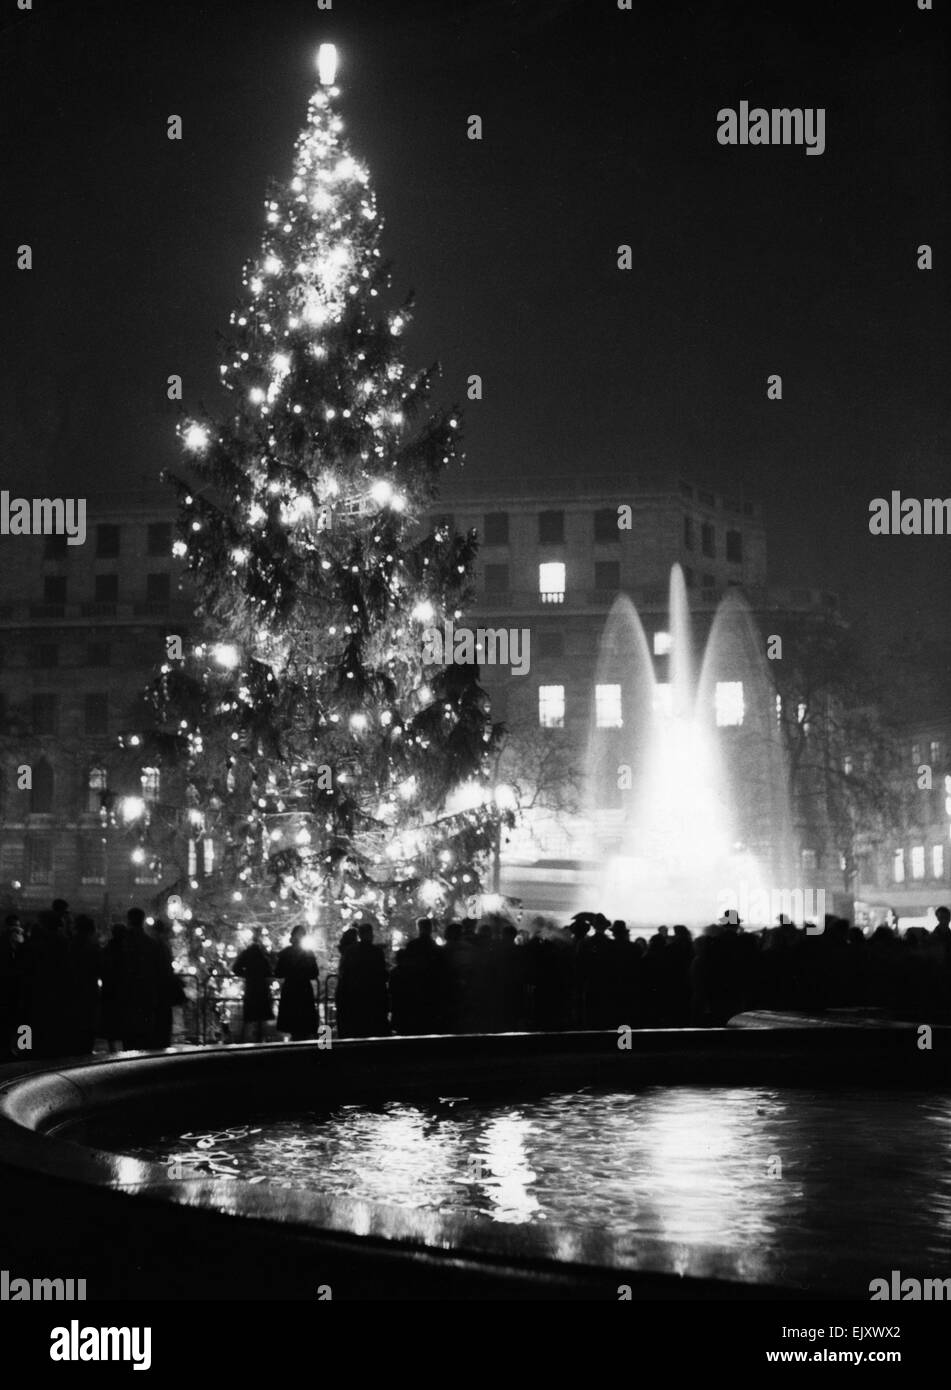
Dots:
pixel 324 771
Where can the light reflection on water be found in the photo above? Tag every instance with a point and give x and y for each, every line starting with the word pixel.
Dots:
pixel 794 1187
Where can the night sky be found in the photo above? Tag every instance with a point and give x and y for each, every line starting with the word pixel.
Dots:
pixel 600 128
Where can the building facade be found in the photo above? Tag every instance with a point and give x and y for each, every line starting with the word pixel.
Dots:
pixel 82 631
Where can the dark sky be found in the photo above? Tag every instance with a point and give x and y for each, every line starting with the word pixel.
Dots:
pixel 600 128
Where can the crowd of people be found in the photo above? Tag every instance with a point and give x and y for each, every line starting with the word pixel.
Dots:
pixel 60 990
pixel 593 974
pixel 470 976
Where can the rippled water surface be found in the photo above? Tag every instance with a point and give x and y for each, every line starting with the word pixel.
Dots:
pixel 802 1188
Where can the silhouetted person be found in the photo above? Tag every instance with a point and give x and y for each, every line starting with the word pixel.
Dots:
pixel 111 985
pixel 419 984
pixel 253 965
pixel 628 1001
pixel 297 969
pixel 512 978
pixel 48 974
pixel 14 997
pixel 597 962
pixel 84 970
pixel 361 989
pixel 171 993
pixel 142 987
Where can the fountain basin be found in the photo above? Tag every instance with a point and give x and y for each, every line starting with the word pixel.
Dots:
pixel 72 1207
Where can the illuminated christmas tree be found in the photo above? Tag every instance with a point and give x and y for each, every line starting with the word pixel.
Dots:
pixel 321 767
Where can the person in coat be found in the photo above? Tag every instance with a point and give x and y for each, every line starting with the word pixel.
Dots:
pixel 297 970
pixel 254 967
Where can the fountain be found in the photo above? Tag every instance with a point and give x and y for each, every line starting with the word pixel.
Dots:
pixel 687 805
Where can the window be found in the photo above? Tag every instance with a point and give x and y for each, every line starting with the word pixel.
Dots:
pixel 97 714
pixel 55 547
pixel 688 532
pixel 708 584
pixel 107 542
pixel 935 749
pixel 729 704
pixel 40 851
pixel 496 528
pixel 42 658
pixel 97 783
pixel 54 588
pixel 607 707
pixel 551 582
pixel 898 866
pixel 690 578
pixel 46 714
pixel 496 579
pixel 937 861
pixel 847 765
pixel 551 643
pixel 208 847
pixel 551 528
pixel 605 525
pixel 917 861
pixel 151 780
pixel 708 540
pixel 607 576
pixel 916 753
pixel 779 709
pixel 157 588
pixel 734 547
pixel 661 643
pixel 551 706
pixel 160 538
pixel 92 859
pixel 41 792
pixel 192 859
pixel 98 654
pixel 107 588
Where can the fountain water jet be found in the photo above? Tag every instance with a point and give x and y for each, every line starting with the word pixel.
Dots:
pixel 686 787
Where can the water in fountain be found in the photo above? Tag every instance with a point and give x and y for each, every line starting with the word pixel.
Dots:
pixel 687 799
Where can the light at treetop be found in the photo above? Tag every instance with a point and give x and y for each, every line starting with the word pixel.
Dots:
pixel 318 761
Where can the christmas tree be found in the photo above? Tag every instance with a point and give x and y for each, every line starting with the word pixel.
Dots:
pixel 321 769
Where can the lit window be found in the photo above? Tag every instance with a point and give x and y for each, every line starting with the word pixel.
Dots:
pixel 551 706
pixel 97 783
pixel 551 581
pixel 663 701
pixel 898 866
pixel 151 783
pixel 847 765
pixel 192 859
pixel 661 643
pixel 916 753
pixel 935 751
pixel 937 861
pixel 729 704
pixel 918 861
pixel 779 709
pixel 209 847
pixel 607 705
